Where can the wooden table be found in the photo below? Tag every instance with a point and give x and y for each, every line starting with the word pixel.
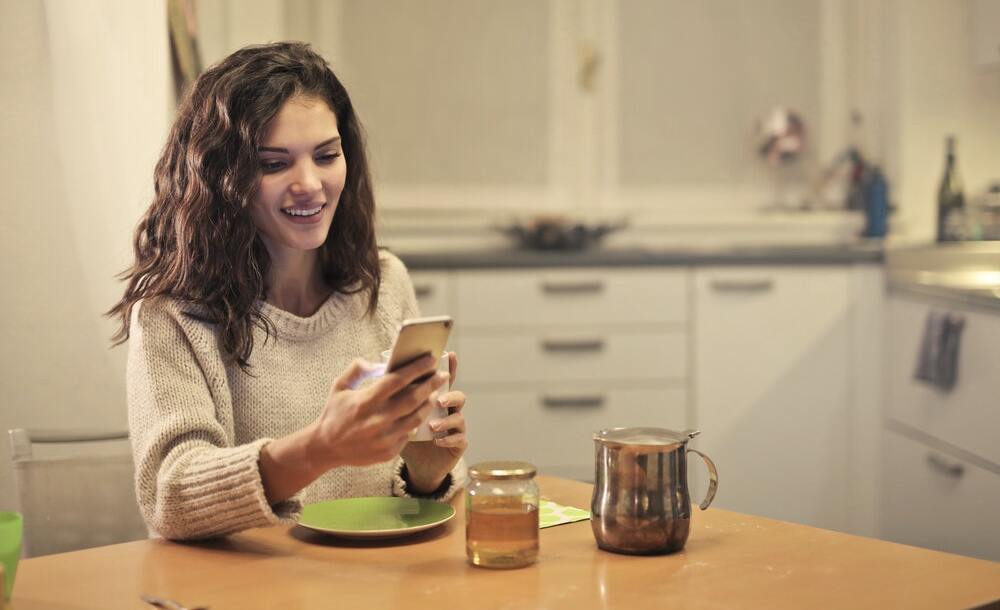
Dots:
pixel 731 561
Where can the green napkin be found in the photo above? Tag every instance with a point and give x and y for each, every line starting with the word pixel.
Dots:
pixel 550 513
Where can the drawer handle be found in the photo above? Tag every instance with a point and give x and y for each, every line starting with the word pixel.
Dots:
pixel 946 466
pixel 423 290
pixel 580 287
pixel 573 345
pixel 589 401
pixel 764 285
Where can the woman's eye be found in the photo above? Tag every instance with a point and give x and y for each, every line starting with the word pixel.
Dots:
pixel 328 157
pixel 271 166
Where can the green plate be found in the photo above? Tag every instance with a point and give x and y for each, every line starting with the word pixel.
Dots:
pixel 382 517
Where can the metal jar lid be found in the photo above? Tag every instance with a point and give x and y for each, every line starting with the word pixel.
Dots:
pixel 485 471
pixel 643 437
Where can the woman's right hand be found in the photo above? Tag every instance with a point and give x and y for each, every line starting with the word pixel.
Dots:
pixel 370 425
pixel 356 427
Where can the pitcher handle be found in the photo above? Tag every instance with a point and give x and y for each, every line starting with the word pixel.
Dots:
pixel 713 479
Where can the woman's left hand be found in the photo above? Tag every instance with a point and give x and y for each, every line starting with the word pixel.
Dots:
pixel 429 462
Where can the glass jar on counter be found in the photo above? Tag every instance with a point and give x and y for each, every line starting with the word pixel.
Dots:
pixel 501 515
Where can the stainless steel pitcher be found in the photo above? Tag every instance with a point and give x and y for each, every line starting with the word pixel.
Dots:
pixel 641 504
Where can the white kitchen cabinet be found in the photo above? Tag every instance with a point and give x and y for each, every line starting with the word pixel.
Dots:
pixel 967 416
pixel 572 296
pixel 772 377
pixel 539 355
pixel 935 500
pixel 680 79
pixel 434 292
pixel 529 105
pixel 435 297
pixel 464 103
pixel 941 463
pixel 551 425
pixel 549 356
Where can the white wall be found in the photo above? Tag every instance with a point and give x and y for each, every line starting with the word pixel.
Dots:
pixel 938 91
pixel 85 106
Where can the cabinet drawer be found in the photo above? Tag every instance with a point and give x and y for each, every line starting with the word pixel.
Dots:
pixel 495 358
pixel 968 416
pixel 933 500
pixel 553 427
pixel 571 296
pixel 433 291
pixel 772 347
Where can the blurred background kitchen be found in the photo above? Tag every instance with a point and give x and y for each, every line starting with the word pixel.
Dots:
pixel 725 215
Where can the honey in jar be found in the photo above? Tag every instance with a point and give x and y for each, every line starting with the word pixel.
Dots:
pixel 501 515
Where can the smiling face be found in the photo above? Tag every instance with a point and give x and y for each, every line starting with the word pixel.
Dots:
pixel 303 169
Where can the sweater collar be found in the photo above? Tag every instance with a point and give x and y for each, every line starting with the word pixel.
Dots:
pixel 291 326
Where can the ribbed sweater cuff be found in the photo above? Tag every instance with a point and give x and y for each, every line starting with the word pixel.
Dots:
pixel 453 481
pixel 221 492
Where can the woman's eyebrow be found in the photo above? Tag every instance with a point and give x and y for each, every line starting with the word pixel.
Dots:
pixel 285 150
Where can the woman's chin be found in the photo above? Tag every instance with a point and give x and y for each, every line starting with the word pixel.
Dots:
pixel 302 243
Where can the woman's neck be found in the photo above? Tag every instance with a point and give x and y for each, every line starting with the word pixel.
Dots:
pixel 295 283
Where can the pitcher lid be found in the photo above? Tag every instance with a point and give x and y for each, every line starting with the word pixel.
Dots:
pixel 649 437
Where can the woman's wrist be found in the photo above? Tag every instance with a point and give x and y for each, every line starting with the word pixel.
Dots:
pixel 290 463
pixel 316 451
pixel 422 483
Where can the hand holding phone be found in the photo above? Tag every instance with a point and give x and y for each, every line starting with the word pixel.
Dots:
pixel 420 337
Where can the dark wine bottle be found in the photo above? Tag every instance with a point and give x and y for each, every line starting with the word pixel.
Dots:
pixel 951 199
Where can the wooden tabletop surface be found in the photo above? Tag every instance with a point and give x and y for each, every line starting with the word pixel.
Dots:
pixel 731 561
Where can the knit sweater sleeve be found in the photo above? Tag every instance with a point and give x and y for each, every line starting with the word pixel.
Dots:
pixel 191 481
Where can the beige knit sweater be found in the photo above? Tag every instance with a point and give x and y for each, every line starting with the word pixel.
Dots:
pixel 197 423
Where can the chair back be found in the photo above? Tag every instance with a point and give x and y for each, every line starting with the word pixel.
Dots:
pixel 75 501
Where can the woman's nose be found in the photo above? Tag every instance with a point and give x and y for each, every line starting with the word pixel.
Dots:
pixel 306 180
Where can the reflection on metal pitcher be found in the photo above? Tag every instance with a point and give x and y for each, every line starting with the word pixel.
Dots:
pixel 641 503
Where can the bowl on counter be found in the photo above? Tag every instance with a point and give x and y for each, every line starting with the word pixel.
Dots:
pixel 551 232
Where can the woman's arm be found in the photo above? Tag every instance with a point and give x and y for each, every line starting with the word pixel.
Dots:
pixel 192 480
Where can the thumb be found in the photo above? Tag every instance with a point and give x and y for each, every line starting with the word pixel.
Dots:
pixel 358 371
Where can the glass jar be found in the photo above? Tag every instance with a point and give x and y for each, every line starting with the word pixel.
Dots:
pixel 501 515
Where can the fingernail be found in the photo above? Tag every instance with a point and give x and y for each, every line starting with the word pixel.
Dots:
pixel 435 425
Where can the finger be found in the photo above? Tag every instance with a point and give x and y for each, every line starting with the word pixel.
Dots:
pixel 453 401
pixel 356 372
pixel 405 425
pixel 413 397
pixel 393 382
pixel 452 440
pixel 452 368
pixel 454 422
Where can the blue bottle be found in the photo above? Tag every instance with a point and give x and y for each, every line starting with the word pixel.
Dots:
pixel 876 205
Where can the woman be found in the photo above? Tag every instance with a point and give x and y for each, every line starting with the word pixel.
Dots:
pixel 257 280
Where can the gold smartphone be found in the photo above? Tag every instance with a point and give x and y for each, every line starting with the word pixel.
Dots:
pixel 419 337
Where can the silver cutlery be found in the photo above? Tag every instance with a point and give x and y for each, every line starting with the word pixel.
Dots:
pixel 167 604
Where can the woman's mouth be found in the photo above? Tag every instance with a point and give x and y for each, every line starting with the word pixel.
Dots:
pixel 304 215
pixel 304 211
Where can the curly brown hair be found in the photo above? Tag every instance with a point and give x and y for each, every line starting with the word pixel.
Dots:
pixel 197 243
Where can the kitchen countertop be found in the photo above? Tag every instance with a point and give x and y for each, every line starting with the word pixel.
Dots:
pixel 637 257
pixel 731 560
pixel 965 273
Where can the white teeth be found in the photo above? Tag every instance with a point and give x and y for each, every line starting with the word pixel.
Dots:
pixel 308 212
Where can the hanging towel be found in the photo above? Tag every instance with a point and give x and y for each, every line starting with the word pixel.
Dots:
pixel 937 361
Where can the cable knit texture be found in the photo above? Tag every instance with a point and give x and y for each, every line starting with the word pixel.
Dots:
pixel 198 423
